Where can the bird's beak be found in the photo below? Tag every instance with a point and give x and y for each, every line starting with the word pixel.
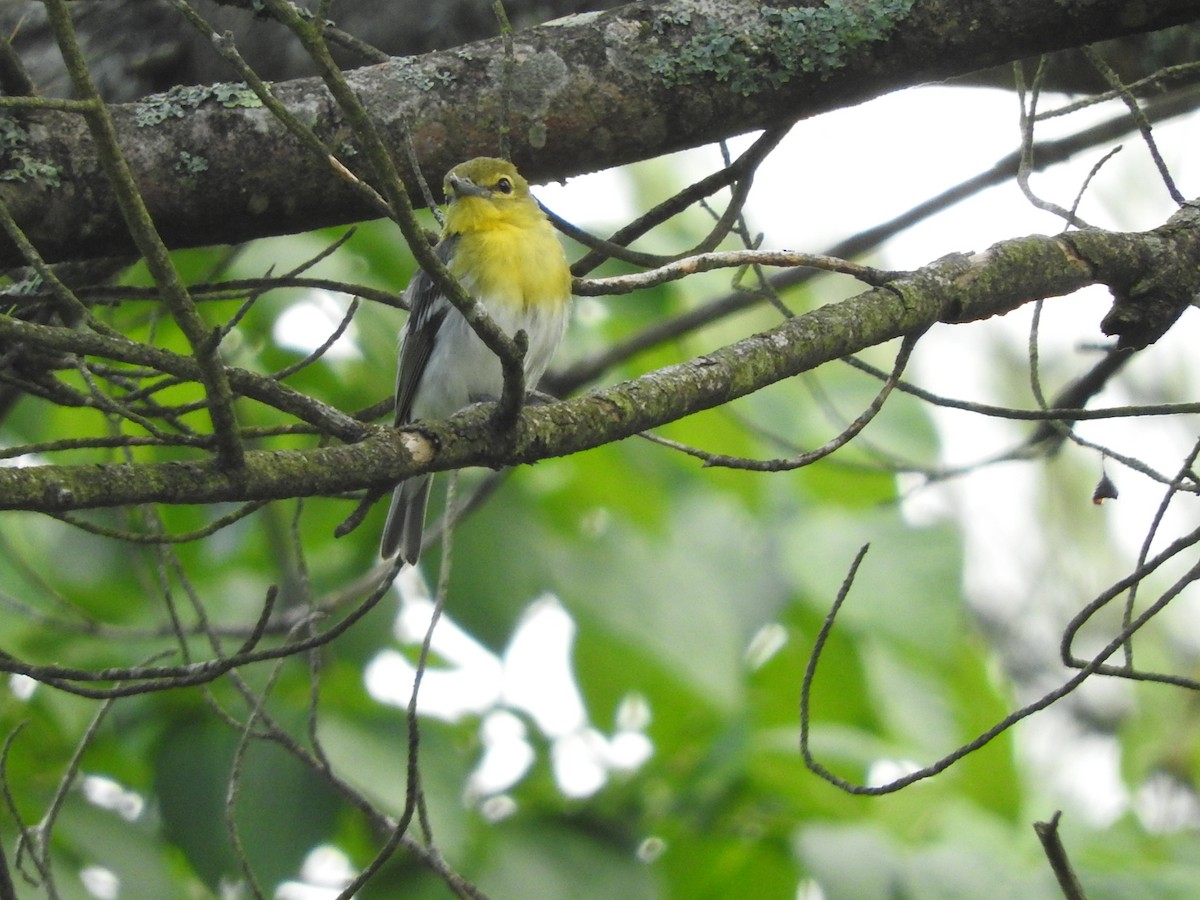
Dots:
pixel 458 186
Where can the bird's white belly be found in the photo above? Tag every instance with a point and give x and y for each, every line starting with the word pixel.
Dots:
pixel 462 370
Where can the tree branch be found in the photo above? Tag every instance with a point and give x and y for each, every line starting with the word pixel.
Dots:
pixel 955 289
pixel 588 92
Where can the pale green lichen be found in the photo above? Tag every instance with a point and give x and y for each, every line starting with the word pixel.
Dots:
pixel 666 20
pixel 779 44
pixel 235 96
pixel 179 100
pixel 415 78
pixel 16 162
pixel 190 165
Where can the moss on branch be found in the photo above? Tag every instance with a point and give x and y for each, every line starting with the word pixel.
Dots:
pixel 957 289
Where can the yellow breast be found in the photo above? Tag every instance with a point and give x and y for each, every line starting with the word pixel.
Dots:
pixel 511 256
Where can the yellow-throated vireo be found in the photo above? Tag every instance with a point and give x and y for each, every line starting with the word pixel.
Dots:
pixel 501 247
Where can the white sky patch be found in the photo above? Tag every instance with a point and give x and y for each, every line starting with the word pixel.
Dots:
pixel 306 324
pixel 1166 805
pixel 324 873
pixel 531 684
pixel 628 751
pixel 764 644
pixel 101 883
pixel 579 762
pixel 650 849
pixel 22 686
pixel 1078 766
pixel 470 684
pixel 633 713
pixel 109 794
pixel 538 675
pixel 885 771
pixel 597 200
pixel 507 755
pixel 498 807
pixel 24 460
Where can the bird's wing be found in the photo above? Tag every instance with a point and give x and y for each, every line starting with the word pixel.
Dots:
pixel 427 309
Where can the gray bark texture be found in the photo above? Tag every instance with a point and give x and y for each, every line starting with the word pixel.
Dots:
pixel 584 93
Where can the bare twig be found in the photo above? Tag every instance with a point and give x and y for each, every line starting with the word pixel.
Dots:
pixel 1056 855
pixel 730 259
pixel 1029 99
pixel 1139 117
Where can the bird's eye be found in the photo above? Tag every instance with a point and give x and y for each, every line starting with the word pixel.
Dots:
pixel 504 186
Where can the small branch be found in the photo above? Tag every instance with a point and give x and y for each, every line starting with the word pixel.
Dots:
pixel 739 173
pixel 506 78
pixel 264 389
pixel 152 679
pixel 1056 854
pixel 1139 116
pixel 1145 566
pixel 8 891
pixel 15 82
pixel 807 459
pixel 1096 665
pixel 1029 100
pixel 110 294
pixel 729 259
pixel 57 289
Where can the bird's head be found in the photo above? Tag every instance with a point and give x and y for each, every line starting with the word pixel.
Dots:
pixel 484 190
pixel 485 177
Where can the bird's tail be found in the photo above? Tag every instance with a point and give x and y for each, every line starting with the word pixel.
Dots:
pixel 406 519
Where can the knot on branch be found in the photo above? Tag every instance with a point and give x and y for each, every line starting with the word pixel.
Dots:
pixel 1153 280
pixel 1145 311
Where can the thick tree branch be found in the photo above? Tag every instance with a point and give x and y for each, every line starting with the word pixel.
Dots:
pixel 587 92
pixel 956 289
pixel 135 47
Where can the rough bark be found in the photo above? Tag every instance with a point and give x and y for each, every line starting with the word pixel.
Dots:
pixel 138 47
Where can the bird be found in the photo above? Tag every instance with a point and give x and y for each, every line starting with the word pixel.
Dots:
pixel 498 243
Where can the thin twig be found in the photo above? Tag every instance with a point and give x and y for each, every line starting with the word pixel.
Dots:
pixel 1139 117
pixel 740 172
pixel 506 78
pixel 1056 855
pixel 806 459
pixel 1028 100
pixel 1097 664
pixel 729 259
